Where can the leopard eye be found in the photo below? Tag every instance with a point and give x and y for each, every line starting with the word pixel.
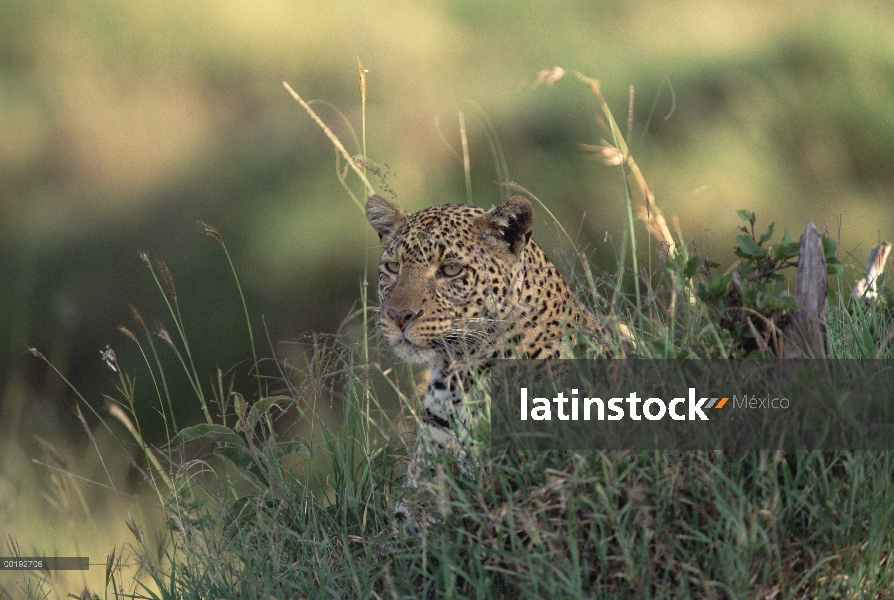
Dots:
pixel 392 266
pixel 451 269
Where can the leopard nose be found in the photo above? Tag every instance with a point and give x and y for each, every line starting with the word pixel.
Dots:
pixel 400 317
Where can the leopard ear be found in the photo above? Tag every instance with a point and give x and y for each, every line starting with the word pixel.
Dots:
pixel 384 216
pixel 512 222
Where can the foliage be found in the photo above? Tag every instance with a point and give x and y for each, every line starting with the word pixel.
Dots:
pixel 262 515
pixel 255 510
pixel 751 299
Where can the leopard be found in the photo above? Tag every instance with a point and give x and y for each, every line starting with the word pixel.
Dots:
pixel 459 286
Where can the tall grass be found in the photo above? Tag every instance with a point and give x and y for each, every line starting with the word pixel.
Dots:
pixel 266 499
pixel 255 513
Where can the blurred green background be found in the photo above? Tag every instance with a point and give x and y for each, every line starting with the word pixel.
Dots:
pixel 122 123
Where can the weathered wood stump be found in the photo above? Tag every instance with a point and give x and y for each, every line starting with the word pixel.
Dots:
pixel 805 334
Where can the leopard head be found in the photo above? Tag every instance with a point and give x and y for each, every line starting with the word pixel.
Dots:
pixel 450 275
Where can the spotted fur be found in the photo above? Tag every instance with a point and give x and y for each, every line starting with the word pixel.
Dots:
pixel 459 285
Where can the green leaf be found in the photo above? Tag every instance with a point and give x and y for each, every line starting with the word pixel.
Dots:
pixel 240 457
pixel 769 297
pixel 766 237
pixel 747 216
pixel 260 408
pixel 206 432
pixel 748 247
pixel 692 266
pixel 829 248
pixel 718 286
pixel 786 250
pixel 786 237
pixel 242 460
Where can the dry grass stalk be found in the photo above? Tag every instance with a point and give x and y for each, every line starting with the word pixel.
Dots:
pixel 334 139
pixel 866 287
pixel 616 154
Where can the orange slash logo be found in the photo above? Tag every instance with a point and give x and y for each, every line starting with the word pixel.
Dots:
pixel 715 404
